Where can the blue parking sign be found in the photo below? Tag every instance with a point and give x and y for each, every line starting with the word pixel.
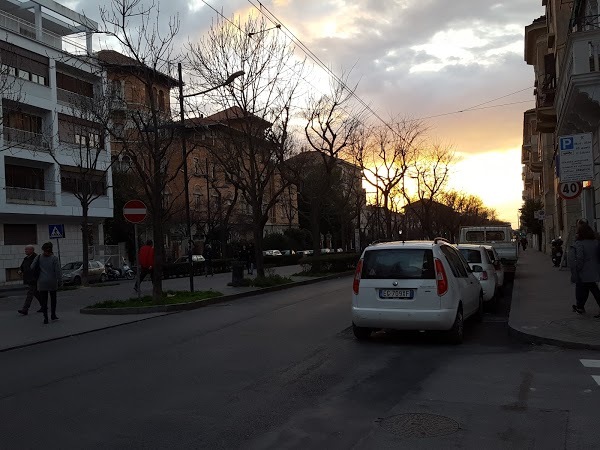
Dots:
pixel 567 143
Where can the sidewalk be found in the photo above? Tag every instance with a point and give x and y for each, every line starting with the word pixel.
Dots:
pixel 541 305
pixel 19 331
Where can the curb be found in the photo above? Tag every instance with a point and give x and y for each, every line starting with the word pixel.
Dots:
pixel 540 340
pixel 207 302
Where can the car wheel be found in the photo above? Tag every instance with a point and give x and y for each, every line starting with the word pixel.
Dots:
pixel 456 333
pixel 77 281
pixel 361 333
pixel 102 278
pixel 479 313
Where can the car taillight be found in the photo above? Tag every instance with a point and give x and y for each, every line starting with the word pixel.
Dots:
pixel 357 273
pixel 441 278
pixel 484 275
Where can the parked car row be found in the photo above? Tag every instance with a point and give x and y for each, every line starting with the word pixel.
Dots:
pixel 423 285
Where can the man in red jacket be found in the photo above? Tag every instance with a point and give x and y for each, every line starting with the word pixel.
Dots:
pixel 145 262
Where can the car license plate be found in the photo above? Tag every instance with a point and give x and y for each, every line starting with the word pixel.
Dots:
pixel 395 293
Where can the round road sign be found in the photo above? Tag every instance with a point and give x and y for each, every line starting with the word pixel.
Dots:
pixel 570 190
pixel 134 211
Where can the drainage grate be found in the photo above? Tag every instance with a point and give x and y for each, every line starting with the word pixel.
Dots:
pixel 419 425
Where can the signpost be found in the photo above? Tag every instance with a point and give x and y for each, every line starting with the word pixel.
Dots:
pixel 576 158
pixel 135 212
pixel 569 191
pixel 57 232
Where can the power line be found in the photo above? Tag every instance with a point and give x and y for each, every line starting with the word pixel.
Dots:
pixel 473 109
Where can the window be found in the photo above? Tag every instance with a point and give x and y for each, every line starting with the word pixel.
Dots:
pixel 458 270
pixel 474 236
pixel 76 182
pixel 12 274
pixel 494 236
pixel 399 264
pixel 472 256
pixel 24 177
pixel 75 85
pixel 22 121
pixel 20 234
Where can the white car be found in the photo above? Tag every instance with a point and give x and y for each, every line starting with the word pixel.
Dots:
pixel 272 253
pixel 497 262
pixel 480 262
pixel 414 285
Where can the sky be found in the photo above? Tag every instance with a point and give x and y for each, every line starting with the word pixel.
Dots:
pixel 420 59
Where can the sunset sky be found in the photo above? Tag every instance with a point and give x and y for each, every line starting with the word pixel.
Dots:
pixel 422 59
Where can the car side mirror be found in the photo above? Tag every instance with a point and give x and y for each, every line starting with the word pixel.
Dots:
pixel 477 269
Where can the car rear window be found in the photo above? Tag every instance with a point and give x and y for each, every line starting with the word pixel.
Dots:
pixel 495 236
pixel 398 264
pixel 471 255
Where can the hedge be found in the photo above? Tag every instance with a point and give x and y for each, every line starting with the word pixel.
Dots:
pixel 330 263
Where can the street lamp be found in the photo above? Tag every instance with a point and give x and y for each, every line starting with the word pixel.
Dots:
pixel 228 81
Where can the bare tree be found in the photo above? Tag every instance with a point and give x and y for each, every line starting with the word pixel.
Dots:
pixel 85 156
pixel 331 126
pixel 253 125
pixel 144 130
pixel 385 154
pixel 429 172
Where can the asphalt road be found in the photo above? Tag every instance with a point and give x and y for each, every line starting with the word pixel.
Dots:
pixel 283 370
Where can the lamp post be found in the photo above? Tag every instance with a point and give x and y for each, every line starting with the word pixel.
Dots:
pixel 228 81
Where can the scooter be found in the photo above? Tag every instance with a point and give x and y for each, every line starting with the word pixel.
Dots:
pixel 126 271
pixel 557 251
pixel 111 272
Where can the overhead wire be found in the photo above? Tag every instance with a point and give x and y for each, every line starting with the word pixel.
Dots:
pixel 278 24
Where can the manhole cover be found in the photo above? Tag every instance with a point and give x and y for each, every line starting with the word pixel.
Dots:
pixel 419 425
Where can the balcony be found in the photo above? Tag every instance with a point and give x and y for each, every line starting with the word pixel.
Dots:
pixel 14 137
pixel 579 84
pixel 26 196
pixel 27 29
pixel 69 98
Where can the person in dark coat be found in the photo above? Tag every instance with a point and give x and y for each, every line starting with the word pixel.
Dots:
pixel 585 266
pixel 49 279
pixel 29 280
pixel 208 256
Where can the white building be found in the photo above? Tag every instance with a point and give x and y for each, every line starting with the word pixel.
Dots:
pixel 42 135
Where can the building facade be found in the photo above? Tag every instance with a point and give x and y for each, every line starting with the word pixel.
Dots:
pixel 45 141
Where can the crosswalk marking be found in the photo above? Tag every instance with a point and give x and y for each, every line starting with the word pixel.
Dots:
pixel 596 379
pixel 590 362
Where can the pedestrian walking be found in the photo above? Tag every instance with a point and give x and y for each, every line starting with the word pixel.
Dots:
pixel 49 279
pixel 585 266
pixel 251 259
pixel 29 280
pixel 208 256
pixel 145 263
pixel 524 243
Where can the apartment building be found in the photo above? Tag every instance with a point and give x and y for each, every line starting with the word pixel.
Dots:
pixel 563 46
pixel 45 81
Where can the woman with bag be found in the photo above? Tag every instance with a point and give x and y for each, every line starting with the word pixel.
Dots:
pixel 585 266
pixel 49 279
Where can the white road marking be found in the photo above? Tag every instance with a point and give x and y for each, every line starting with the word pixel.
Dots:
pixel 590 362
pixel 596 379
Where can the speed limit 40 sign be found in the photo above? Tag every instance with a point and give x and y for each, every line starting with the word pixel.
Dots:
pixel 570 190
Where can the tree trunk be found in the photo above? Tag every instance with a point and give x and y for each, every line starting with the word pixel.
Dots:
pixel 258 255
pixel 315 226
pixel 85 241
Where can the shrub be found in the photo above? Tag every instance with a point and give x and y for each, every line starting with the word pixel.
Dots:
pixel 330 263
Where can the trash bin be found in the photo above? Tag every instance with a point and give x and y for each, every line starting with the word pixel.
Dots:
pixel 237 273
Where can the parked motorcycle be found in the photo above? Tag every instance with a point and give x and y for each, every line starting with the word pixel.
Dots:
pixel 557 251
pixel 127 272
pixel 111 272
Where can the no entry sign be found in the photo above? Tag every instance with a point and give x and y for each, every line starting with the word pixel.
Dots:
pixel 134 211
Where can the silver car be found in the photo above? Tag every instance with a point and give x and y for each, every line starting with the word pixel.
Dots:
pixel 72 272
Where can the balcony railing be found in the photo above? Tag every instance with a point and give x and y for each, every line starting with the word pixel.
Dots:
pixel 20 26
pixel 71 98
pixel 29 196
pixel 26 139
pixel 581 58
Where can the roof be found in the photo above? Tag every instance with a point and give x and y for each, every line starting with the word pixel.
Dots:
pixel 114 59
pixel 400 244
pixel 233 113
